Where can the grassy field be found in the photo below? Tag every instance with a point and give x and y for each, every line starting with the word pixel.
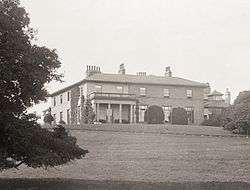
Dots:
pixel 140 155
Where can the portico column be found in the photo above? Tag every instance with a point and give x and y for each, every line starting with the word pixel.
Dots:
pixel 131 113
pixel 109 113
pixel 120 113
pixel 97 112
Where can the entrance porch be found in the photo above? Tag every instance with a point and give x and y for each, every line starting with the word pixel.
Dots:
pixel 114 113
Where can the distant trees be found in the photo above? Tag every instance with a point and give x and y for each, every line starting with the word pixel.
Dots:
pixel 25 68
pixel 154 115
pixel 237 117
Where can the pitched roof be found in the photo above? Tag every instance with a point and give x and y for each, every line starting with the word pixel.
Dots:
pixel 148 79
pixel 215 104
pixel 216 93
pixel 134 79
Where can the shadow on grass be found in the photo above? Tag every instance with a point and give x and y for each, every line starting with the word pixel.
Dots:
pixel 75 184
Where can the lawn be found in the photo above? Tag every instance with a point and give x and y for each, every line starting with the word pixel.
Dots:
pixel 153 156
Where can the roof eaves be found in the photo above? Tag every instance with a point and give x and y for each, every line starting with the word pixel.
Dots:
pixel 65 89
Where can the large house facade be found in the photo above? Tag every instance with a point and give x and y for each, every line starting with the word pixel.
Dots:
pixel 124 98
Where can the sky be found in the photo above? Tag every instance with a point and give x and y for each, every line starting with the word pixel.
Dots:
pixel 205 41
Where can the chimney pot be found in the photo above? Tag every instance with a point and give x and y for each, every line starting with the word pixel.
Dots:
pixel 122 69
pixel 168 72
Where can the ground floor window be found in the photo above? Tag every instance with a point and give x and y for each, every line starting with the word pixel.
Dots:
pixel 78 114
pixel 190 114
pixel 167 113
pixel 61 116
pixel 68 116
pixel 54 116
pixel 142 110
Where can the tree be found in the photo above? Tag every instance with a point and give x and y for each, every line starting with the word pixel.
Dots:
pixel 154 115
pixel 237 117
pixel 179 116
pixel 24 70
pixel 88 114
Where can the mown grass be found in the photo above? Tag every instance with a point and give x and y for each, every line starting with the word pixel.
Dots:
pixel 152 157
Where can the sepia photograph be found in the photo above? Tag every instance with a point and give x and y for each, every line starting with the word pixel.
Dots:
pixel 124 95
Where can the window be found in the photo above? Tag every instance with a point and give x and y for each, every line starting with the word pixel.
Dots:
pixel 189 93
pixel 142 110
pixel 61 98
pixel 142 91
pixel 119 89
pixel 166 93
pixel 125 89
pixel 190 114
pixel 68 96
pixel 68 116
pixel 54 116
pixel 167 113
pixel 98 88
pixel 54 100
pixel 61 116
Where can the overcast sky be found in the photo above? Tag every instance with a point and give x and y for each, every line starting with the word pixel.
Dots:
pixel 202 40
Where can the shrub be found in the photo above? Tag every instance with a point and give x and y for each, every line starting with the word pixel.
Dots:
pixel 214 120
pixel 48 118
pixel 179 116
pixel 61 122
pixel 154 115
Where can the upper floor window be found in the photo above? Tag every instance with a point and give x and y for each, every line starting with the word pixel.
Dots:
pixel 54 101
pixel 98 88
pixel 61 98
pixel 125 89
pixel 119 89
pixel 142 91
pixel 68 95
pixel 189 93
pixel 166 92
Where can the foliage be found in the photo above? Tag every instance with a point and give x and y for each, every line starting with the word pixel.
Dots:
pixel 24 70
pixel 61 122
pixel 154 115
pixel 179 116
pixel 88 113
pixel 237 117
pixel 48 118
pixel 214 120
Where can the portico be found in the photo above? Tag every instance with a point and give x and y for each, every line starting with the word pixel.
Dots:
pixel 114 107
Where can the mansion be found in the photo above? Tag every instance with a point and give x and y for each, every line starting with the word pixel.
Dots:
pixel 115 97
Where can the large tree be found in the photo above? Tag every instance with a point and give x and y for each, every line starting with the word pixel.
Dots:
pixel 237 116
pixel 24 70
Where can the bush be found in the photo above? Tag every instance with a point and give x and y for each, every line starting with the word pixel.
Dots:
pixel 179 116
pixel 236 118
pixel 214 120
pixel 48 118
pixel 61 122
pixel 230 126
pixel 154 115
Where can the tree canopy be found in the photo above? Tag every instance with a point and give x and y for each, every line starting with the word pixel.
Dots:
pixel 237 116
pixel 24 70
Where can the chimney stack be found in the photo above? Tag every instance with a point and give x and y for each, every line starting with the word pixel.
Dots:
pixel 141 74
pixel 168 72
pixel 91 70
pixel 228 97
pixel 122 69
